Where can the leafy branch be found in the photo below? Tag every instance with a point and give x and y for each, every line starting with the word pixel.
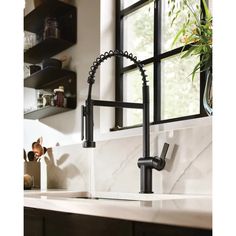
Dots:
pixel 196 31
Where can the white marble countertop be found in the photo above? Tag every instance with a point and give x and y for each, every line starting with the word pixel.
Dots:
pixel 172 209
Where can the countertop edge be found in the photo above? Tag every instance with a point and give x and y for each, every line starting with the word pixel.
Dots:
pixel 175 217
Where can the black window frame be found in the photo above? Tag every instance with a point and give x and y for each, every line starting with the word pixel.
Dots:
pixel 156 60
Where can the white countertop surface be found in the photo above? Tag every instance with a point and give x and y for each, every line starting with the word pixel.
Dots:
pixel 172 209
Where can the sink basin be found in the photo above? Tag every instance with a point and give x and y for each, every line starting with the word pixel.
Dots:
pixel 106 198
pixel 138 196
pixel 56 193
pixel 108 195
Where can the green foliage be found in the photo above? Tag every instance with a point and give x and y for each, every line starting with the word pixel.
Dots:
pixel 196 30
pixel 179 96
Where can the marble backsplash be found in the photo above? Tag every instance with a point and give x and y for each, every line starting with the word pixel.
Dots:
pixel 188 168
pixel 112 165
pixel 68 167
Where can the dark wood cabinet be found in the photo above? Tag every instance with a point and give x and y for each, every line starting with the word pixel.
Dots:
pixel 33 223
pixel 64 224
pixel 47 223
pixel 148 229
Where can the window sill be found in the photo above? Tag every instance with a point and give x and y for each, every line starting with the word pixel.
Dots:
pixel 158 128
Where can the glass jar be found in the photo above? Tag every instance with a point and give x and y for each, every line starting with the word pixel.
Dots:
pixel 51 29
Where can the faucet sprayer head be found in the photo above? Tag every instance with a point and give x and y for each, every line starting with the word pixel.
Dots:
pixel 87 115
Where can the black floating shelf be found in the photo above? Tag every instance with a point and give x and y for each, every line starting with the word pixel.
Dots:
pixel 45 112
pixel 47 76
pixel 45 49
pixel 34 21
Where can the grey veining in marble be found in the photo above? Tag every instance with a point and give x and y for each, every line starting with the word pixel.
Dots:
pixel 68 168
pixel 188 169
pixel 112 165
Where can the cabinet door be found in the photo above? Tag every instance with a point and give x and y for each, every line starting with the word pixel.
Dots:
pixel 61 224
pixel 33 223
pixel 145 229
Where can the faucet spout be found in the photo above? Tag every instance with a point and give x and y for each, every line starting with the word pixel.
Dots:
pixel 87 117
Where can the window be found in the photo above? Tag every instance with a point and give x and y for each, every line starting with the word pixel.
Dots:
pixel 144 29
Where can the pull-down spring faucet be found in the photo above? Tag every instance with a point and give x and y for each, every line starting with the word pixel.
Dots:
pixel 146 163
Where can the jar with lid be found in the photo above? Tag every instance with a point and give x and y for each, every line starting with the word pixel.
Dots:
pixel 51 29
pixel 59 96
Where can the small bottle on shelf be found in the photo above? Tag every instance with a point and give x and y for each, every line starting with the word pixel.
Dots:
pixel 59 96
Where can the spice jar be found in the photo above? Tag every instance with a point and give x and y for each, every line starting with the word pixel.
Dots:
pixel 59 96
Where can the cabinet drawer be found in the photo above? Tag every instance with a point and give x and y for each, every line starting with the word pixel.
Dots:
pixel 62 224
pixel 146 229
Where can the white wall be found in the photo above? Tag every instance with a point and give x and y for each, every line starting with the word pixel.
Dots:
pixel 62 132
pixel 64 129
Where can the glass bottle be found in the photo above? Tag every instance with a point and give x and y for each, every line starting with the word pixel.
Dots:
pixel 59 97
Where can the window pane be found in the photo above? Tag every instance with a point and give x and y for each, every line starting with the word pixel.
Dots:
pixel 168 31
pixel 133 93
pixel 138 33
pixel 127 3
pixel 179 95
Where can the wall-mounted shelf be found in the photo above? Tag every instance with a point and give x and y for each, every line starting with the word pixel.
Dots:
pixel 45 49
pixel 66 17
pixel 34 21
pixel 51 78
pixel 43 78
pixel 45 112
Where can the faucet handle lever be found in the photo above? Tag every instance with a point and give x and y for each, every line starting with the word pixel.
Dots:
pixel 159 163
pixel 82 121
pixel 164 151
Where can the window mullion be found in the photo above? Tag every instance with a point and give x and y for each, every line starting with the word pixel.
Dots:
pixel 134 7
pixel 119 65
pixel 157 63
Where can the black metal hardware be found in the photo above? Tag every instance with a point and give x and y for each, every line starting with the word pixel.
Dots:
pixel 88 113
pixel 146 163
pixel 82 121
pixel 164 151
pixel 157 163
pixel 117 104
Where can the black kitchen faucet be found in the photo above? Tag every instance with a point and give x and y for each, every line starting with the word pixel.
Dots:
pixel 145 163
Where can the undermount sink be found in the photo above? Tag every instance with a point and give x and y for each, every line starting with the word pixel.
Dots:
pixel 108 195
pixel 136 196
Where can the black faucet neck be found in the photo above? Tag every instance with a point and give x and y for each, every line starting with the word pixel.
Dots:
pixel 87 113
